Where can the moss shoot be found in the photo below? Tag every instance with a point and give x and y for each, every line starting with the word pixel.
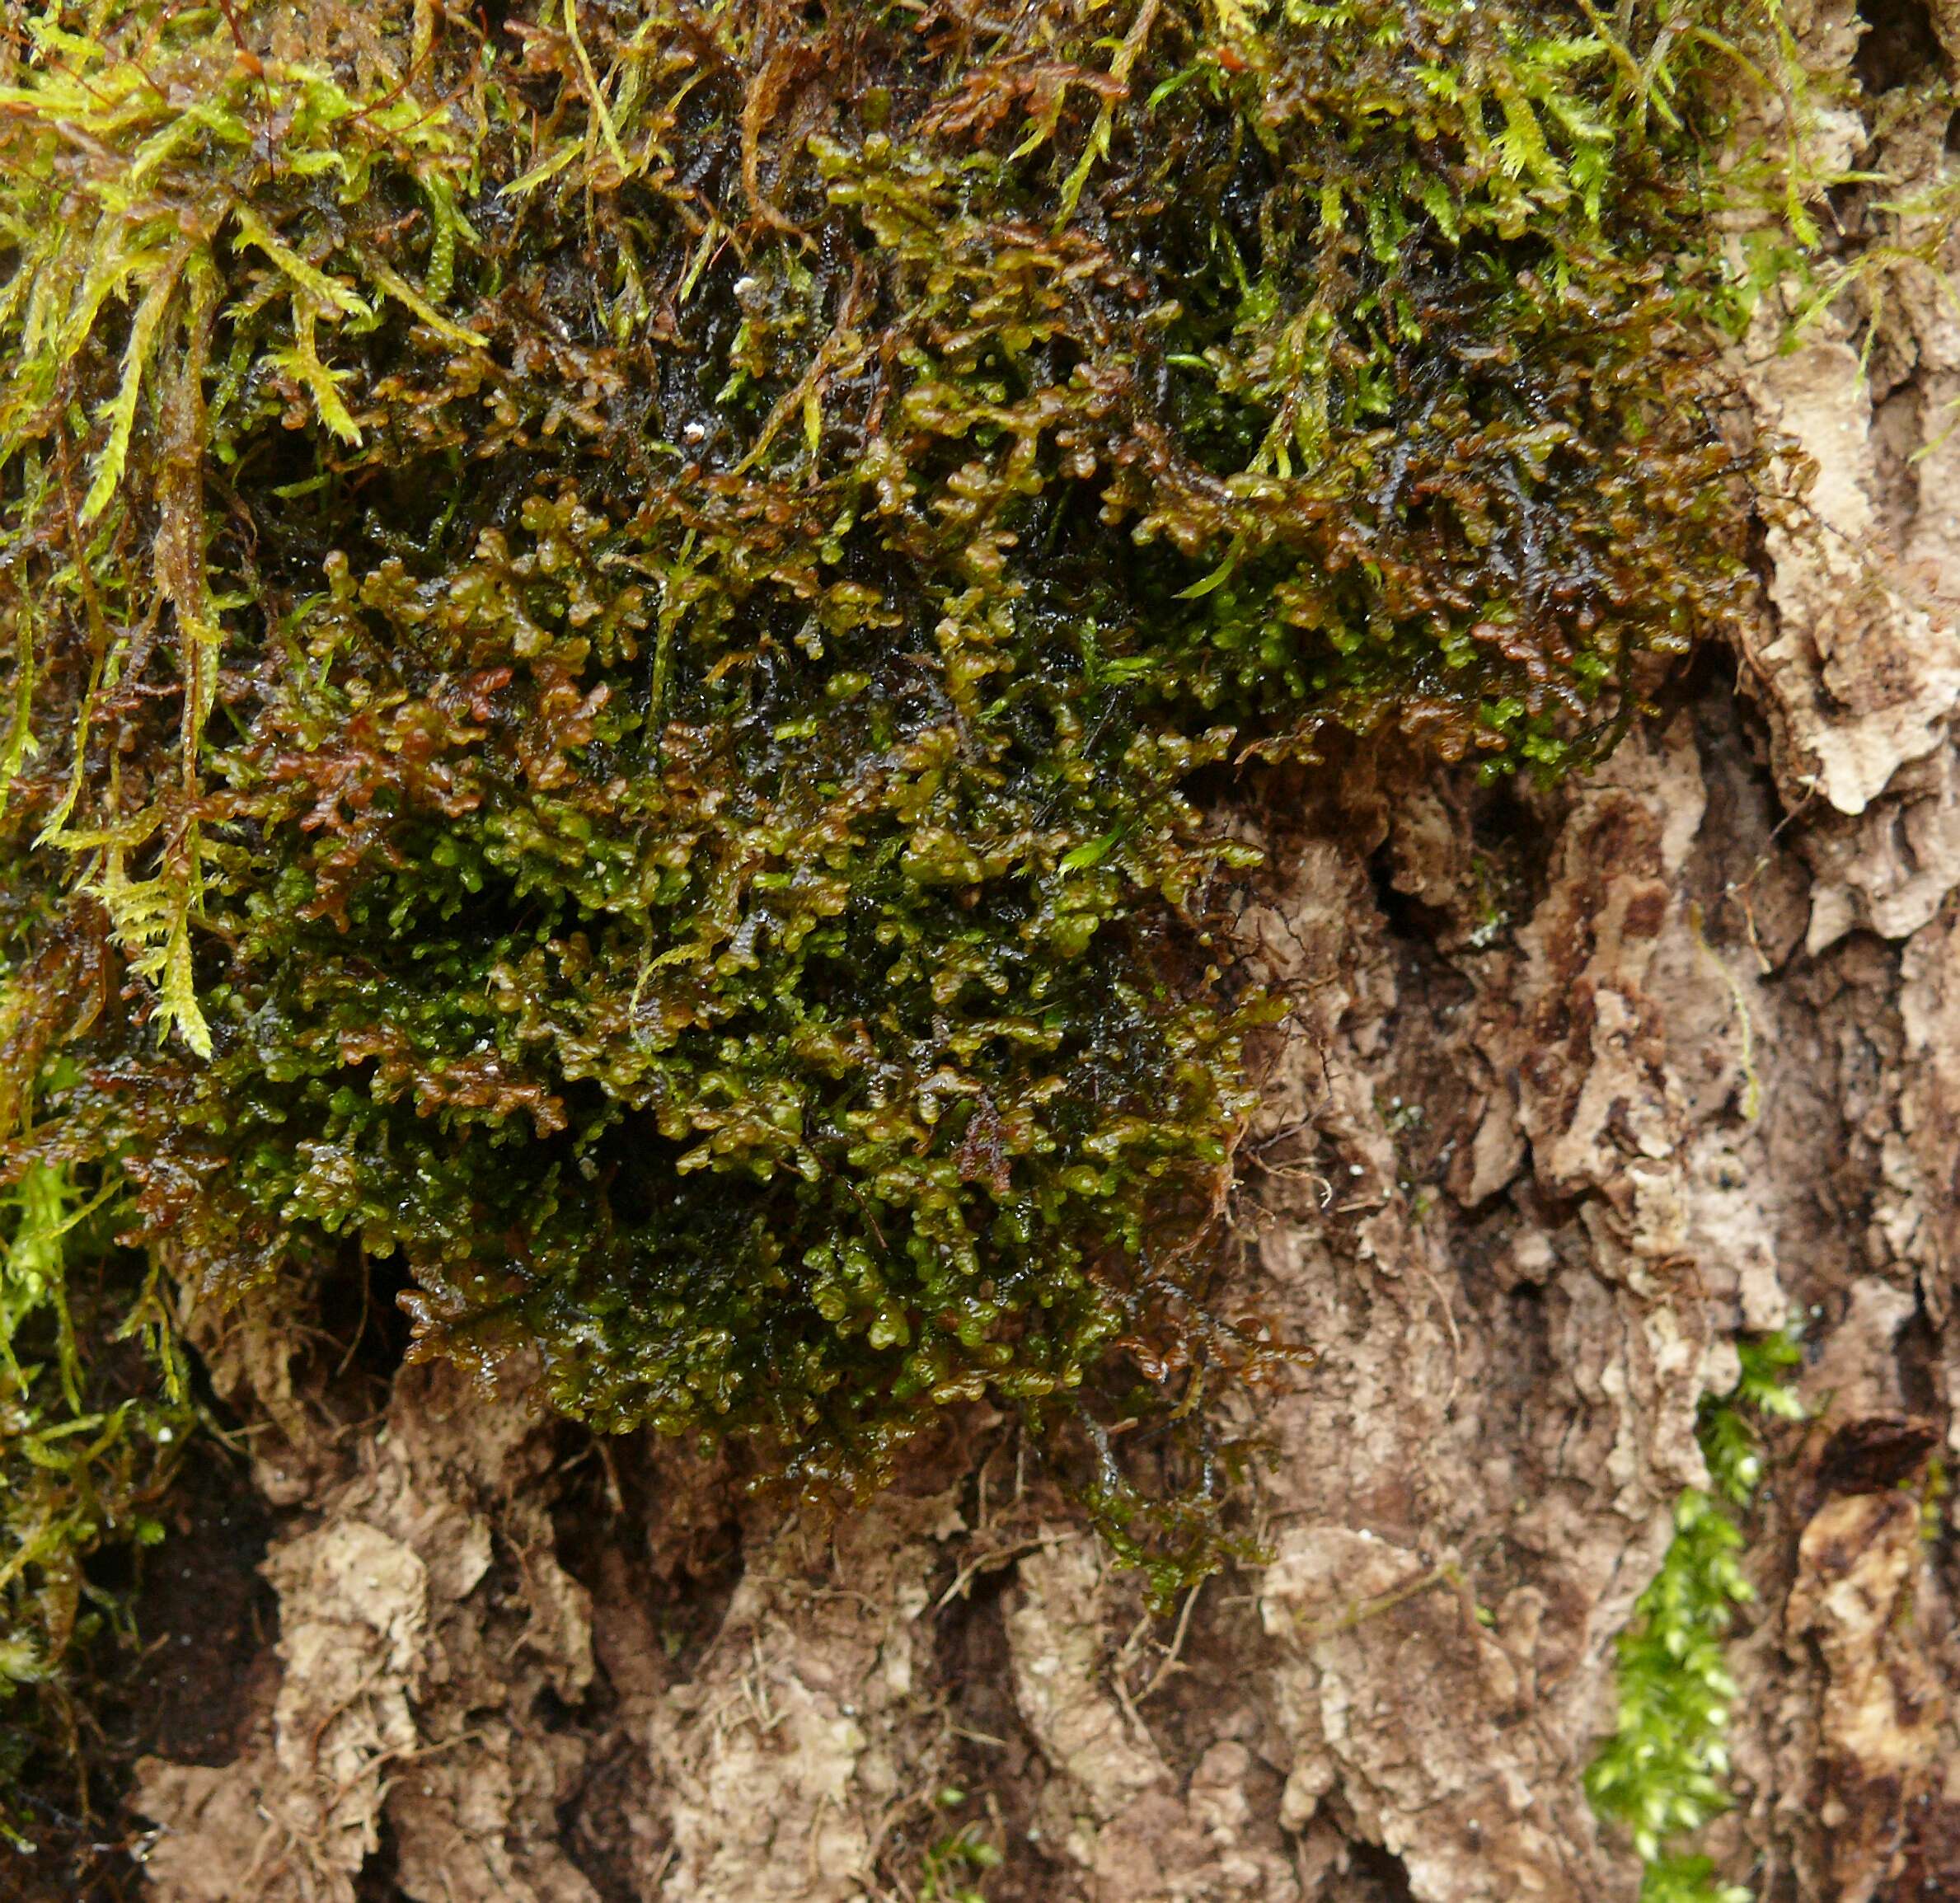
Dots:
pixel 1664 1773
pixel 624 620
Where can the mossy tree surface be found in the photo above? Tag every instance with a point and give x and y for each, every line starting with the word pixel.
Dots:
pixel 624 628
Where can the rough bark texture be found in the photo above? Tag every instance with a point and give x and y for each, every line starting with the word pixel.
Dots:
pixel 1577 1084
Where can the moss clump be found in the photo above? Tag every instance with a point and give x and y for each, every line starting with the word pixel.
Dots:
pixel 624 628
pixel 1664 1771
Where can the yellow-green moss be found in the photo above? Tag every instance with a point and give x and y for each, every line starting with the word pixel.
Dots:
pixel 88 1443
pixel 1664 1773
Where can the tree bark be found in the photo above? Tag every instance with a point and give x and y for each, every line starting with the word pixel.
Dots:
pixel 1577 1083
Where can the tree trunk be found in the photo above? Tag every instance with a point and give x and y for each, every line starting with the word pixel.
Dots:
pixel 1578 1085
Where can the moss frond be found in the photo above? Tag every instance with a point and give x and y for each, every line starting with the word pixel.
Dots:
pixel 1664 1771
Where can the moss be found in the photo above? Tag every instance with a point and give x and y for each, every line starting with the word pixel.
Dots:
pixel 1664 1773
pixel 627 630
pixel 87 1445
pixel 954 1865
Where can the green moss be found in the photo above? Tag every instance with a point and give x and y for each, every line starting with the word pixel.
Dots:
pixel 626 633
pixel 91 1426
pixel 1664 1773
pixel 954 1865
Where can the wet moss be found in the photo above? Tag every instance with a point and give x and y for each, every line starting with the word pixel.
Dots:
pixel 627 630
